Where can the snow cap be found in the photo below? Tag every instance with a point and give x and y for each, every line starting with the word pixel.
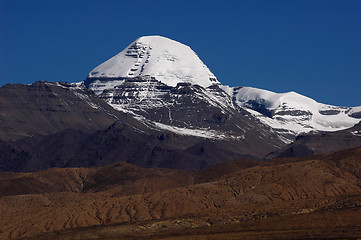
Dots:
pixel 164 59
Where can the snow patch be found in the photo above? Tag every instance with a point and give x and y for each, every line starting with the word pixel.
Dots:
pixel 356 133
pixel 86 99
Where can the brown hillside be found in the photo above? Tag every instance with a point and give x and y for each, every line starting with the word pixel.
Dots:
pixel 301 198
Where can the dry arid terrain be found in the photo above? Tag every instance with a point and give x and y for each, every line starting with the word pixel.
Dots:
pixel 293 198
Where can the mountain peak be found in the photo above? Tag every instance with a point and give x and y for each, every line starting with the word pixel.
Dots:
pixel 164 59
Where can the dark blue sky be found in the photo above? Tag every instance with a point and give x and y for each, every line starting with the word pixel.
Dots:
pixel 312 47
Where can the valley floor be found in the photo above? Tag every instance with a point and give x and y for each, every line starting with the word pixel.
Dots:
pixel 338 224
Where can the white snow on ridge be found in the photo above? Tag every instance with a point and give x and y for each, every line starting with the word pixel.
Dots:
pixel 273 100
pixel 294 112
pixel 167 60
pixel 203 133
pixel 195 132
pixel 99 86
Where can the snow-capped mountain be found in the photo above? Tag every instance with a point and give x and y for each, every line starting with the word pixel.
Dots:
pixel 293 113
pixel 168 61
pixel 164 81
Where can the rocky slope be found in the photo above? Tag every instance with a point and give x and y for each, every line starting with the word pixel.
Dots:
pixel 46 108
pixel 46 125
pixel 120 142
pixel 310 144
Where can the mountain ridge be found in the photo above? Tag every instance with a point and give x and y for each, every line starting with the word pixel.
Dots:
pixel 288 114
pixel 210 123
pixel 294 112
pixel 36 144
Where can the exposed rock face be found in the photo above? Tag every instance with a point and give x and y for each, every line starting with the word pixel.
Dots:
pixel 184 105
pixel 186 108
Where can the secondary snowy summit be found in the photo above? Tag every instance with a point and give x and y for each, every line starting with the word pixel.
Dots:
pixel 166 60
pixel 294 113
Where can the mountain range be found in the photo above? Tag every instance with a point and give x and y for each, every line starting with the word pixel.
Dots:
pixel 156 104
pixel 151 145
pixel 150 77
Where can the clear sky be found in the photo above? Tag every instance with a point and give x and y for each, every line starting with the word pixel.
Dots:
pixel 312 47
